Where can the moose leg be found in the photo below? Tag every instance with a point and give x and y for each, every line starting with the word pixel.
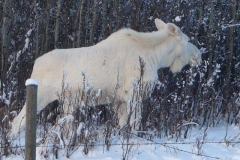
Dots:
pixel 130 109
pixel 45 96
pixel 129 115
pixel 122 114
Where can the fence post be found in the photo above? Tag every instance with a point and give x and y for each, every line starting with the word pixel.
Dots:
pixel 31 119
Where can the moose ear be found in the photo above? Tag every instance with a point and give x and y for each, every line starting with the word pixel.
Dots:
pixel 173 29
pixel 160 24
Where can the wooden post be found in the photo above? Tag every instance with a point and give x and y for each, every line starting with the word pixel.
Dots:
pixel 31 119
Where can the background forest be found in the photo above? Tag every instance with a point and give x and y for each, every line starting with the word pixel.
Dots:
pixel 205 95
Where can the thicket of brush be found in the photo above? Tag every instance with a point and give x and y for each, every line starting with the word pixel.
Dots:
pixel 77 119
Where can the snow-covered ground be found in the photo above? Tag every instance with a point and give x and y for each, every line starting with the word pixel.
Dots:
pixel 215 146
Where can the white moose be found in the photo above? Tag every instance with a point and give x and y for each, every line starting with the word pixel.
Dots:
pixel 112 61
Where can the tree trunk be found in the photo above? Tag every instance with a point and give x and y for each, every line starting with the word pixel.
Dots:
pixel 37 29
pixel 115 14
pixel 136 17
pixel 231 33
pixel 210 40
pixel 104 18
pixel 5 41
pixel 226 88
pixel 118 4
pixel 46 41
pixel 94 22
pixel 86 25
pixel 57 26
pixel 201 10
pixel 80 27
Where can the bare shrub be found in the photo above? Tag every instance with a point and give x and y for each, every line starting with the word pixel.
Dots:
pixel 76 120
pixel 171 109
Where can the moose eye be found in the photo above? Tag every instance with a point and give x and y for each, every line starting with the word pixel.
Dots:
pixel 194 58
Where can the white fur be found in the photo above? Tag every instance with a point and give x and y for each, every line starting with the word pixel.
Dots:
pixel 114 60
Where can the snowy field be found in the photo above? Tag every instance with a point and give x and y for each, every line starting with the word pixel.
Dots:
pixel 215 143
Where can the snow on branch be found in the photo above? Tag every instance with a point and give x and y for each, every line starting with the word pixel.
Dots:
pixel 26 45
pixel 230 25
pixel 19 53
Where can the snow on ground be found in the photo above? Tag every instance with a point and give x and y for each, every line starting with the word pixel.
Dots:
pixel 165 148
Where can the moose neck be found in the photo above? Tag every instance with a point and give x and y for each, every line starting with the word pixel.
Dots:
pixel 166 53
